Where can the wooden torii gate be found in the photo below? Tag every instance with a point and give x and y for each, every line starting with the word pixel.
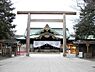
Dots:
pixel 64 13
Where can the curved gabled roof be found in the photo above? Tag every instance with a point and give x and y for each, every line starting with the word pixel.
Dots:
pixel 55 32
pixel 47 29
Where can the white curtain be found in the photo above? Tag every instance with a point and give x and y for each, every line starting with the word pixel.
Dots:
pixel 41 43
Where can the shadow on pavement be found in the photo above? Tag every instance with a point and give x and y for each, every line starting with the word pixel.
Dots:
pixel 89 59
pixel 4 57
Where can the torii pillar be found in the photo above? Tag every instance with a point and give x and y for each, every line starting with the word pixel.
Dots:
pixel 28 35
pixel 64 13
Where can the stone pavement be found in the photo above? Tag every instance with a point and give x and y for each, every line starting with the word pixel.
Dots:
pixel 46 63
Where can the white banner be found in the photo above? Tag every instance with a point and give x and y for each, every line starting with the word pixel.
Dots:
pixel 41 43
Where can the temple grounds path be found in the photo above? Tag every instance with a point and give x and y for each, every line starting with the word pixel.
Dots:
pixel 46 63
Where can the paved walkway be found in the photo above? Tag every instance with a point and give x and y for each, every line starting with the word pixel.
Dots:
pixel 46 63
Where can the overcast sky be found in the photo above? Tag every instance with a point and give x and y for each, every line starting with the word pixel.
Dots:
pixel 43 5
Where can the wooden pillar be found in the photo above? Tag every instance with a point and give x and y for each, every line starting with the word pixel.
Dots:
pixel 28 35
pixel 87 45
pixel 89 54
pixel 87 49
pixel 64 35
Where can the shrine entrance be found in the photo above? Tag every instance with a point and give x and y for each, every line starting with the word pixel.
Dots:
pixel 29 13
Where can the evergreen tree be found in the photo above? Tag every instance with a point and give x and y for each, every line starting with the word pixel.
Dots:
pixel 6 18
pixel 86 25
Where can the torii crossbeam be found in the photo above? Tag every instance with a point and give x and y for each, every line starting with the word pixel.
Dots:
pixel 29 13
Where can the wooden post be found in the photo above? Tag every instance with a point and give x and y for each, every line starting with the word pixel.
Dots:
pixel 88 53
pixel 28 35
pixel 64 35
pixel 87 48
pixel 87 45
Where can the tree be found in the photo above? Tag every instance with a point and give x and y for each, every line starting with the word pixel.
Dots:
pixel 86 25
pixel 6 18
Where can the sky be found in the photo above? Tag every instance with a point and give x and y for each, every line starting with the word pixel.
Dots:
pixel 44 5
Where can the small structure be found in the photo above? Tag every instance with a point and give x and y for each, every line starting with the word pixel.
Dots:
pixel 8 47
pixel 87 47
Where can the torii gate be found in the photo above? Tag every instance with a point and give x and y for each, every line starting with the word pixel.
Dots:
pixel 64 13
